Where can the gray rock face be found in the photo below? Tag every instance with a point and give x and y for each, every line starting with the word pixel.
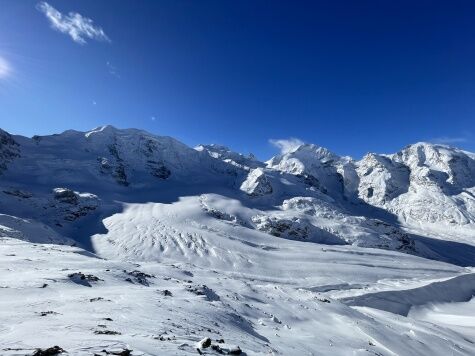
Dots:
pixel 158 169
pixel 73 205
pixel 256 183
pixel 9 150
pixel 18 193
pixel 117 170
pixel 294 228
pixel 394 236
pixel 65 195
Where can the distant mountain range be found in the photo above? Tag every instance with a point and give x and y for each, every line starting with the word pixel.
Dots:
pixel 428 189
pixel 120 242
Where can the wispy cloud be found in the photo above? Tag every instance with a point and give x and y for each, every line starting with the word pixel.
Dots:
pixel 112 70
pixel 447 140
pixel 5 68
pixel 287 145
pixel 79 28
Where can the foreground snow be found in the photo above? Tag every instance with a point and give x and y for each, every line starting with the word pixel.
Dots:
pixel 294 309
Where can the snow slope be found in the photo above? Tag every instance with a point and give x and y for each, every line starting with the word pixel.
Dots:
pixel 122 240
pixel 274 307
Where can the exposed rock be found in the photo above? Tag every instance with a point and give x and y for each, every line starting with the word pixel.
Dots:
pixel 51 351
pixel 405 243
pixel 256 183
pixel 65 195
pixel 9 150
pixel 217 349
pixel 49 312
pixel 73 205
pixel 105 165
pixel 139 277
pixel 123 352
pixel 83 279
pixel 106 332
pixel 96 299
pixel 312 181
pixel 115 165
pixel 120 175
pixel 313 206
pixel 167 293
pixel 204 291
pixel 19 193
pixel 204 343
pixel 158 169
pixel 235 350
pixel 294 228
pixel 218 214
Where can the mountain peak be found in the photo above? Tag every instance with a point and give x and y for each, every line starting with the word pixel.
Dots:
pixel 108 130
pixel 224 153
pixel 101 129
pixel 302 156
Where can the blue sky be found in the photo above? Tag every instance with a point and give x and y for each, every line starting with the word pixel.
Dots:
pixel 353 76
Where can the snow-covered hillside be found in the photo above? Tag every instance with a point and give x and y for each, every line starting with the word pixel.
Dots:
pixel 116 240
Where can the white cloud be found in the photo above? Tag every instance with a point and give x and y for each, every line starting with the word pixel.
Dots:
pixel 112 70
pixel 287 145
pixel 5 68
pixel 79 28
pixel 449 140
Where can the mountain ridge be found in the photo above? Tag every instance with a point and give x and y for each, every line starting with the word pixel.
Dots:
pixel 392 187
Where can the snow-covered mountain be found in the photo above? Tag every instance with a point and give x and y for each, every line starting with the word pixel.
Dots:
pixel 106 156
pixel 175 244
pixel 425 186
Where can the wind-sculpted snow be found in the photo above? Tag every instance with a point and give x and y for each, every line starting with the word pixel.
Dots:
pixel 29 230
pixel 280 304
pixel 456 289
pixel 309 253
